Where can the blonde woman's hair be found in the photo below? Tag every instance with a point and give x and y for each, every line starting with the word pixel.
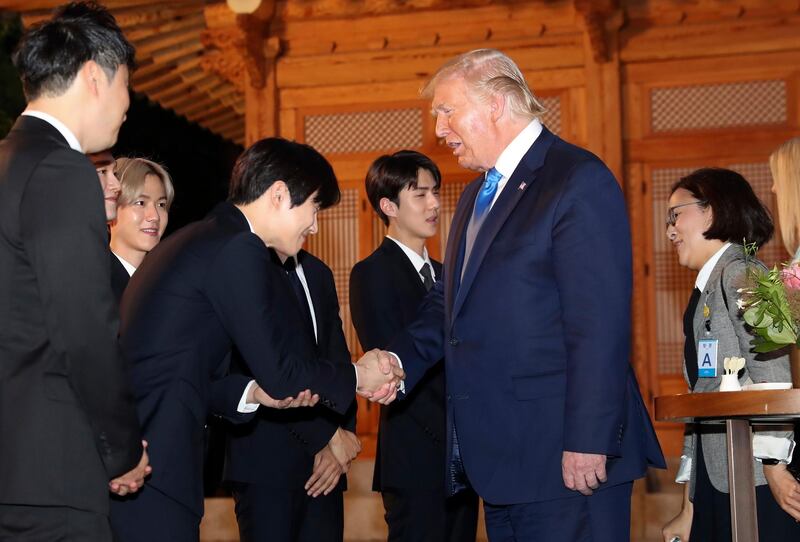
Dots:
pixel 131 173
pixel 489 72
pixel 784 163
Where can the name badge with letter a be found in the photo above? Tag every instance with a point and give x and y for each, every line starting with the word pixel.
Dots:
pixel 707 358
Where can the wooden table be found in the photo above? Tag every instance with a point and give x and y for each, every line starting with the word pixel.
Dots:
pixel 737 409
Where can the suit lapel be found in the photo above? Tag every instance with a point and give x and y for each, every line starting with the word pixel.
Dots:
pixel 712 285
pixel 454 252
pixel 402 266
pixel 516 187
pixel 315 289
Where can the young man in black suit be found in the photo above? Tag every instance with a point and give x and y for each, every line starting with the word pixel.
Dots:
pixel 385 290
pixel 212 288
pixel 298 493
pixel 67 419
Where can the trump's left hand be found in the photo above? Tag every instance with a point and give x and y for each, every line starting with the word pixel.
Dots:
pixel 583 472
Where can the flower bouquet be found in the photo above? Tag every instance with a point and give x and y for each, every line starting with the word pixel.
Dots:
pixel 771 305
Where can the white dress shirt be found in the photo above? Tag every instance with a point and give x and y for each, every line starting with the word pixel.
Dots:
pixel 416 260
pixel 125 263
pixel 512 155
pixel 73 142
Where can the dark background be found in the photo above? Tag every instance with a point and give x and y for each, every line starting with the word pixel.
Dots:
pixel 198 160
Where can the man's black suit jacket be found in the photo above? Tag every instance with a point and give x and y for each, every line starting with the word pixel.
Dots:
pixel 385 292
pixel 288 438
pixel 119 278
pixel 67 419
pixel 205 290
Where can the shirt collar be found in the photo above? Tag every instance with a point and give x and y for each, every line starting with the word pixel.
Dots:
pixel 512 155
pixel 72 141
pixel 416 260
pixel 248 224
pixel 126 264
pixel 708 267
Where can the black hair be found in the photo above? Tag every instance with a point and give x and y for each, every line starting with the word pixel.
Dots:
pixel 738 214
pixel 303 169
pixel 390 174
pixel 50 54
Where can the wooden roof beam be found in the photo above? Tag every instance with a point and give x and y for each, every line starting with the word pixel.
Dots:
pixel 225 124
pixel 140 32
pixel 191 86
pixel 164 71
pixel 162 42
pixel 209 115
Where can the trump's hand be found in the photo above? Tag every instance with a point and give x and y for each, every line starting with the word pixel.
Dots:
pixel 583 472
pixel 303 399
pixel 379 376
pixel 132 481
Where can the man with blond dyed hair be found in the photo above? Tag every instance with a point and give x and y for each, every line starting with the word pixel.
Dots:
pixel 544 417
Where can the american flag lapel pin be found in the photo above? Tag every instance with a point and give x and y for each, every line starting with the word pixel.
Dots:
pixel 522 185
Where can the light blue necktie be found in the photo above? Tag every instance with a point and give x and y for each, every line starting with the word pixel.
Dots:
pixel 486 195
pixel 482 204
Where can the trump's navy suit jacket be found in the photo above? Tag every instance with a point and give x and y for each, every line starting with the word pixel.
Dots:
pixel 536 334
pixel 205 290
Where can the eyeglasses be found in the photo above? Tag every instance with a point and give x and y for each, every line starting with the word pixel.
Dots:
pixel 672 217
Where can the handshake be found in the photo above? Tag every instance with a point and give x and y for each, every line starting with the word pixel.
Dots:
pixel 379 376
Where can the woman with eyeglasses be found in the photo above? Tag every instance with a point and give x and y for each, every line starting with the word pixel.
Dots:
pixel 711 212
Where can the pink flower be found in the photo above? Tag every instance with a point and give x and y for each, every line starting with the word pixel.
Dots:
pixel 791 276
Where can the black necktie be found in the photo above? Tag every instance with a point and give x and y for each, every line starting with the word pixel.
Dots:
pixel 427 276
pixel 291 269
pixel 690 344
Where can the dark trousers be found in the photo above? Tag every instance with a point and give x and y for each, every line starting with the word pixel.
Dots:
pixel 266 513
pixel 604 516
pixel 427 516
pixel 151 516
pixel 52 524
pixel 711 521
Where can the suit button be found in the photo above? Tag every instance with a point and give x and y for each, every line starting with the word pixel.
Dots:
pixel 454 341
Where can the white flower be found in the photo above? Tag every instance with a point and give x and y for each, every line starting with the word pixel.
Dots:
pixel 741 303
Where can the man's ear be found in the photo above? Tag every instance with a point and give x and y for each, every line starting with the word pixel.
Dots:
pixel 92 75
pixel 388 207
pixel 278 192
pixel 497 105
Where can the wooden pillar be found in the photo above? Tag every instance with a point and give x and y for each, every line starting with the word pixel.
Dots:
pixel 601 22
pixel 240 49
pixel 261 96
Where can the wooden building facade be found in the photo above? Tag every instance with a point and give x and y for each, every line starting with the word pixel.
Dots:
pixel 656 88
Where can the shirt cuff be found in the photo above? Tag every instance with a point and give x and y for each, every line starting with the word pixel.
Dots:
pixel 245 407
pixel 685 470
pixel 769 447
pixel 402 386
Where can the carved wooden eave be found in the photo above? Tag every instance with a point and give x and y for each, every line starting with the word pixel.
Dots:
pixel 202 60
pixel 169 53
pixel 595 15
